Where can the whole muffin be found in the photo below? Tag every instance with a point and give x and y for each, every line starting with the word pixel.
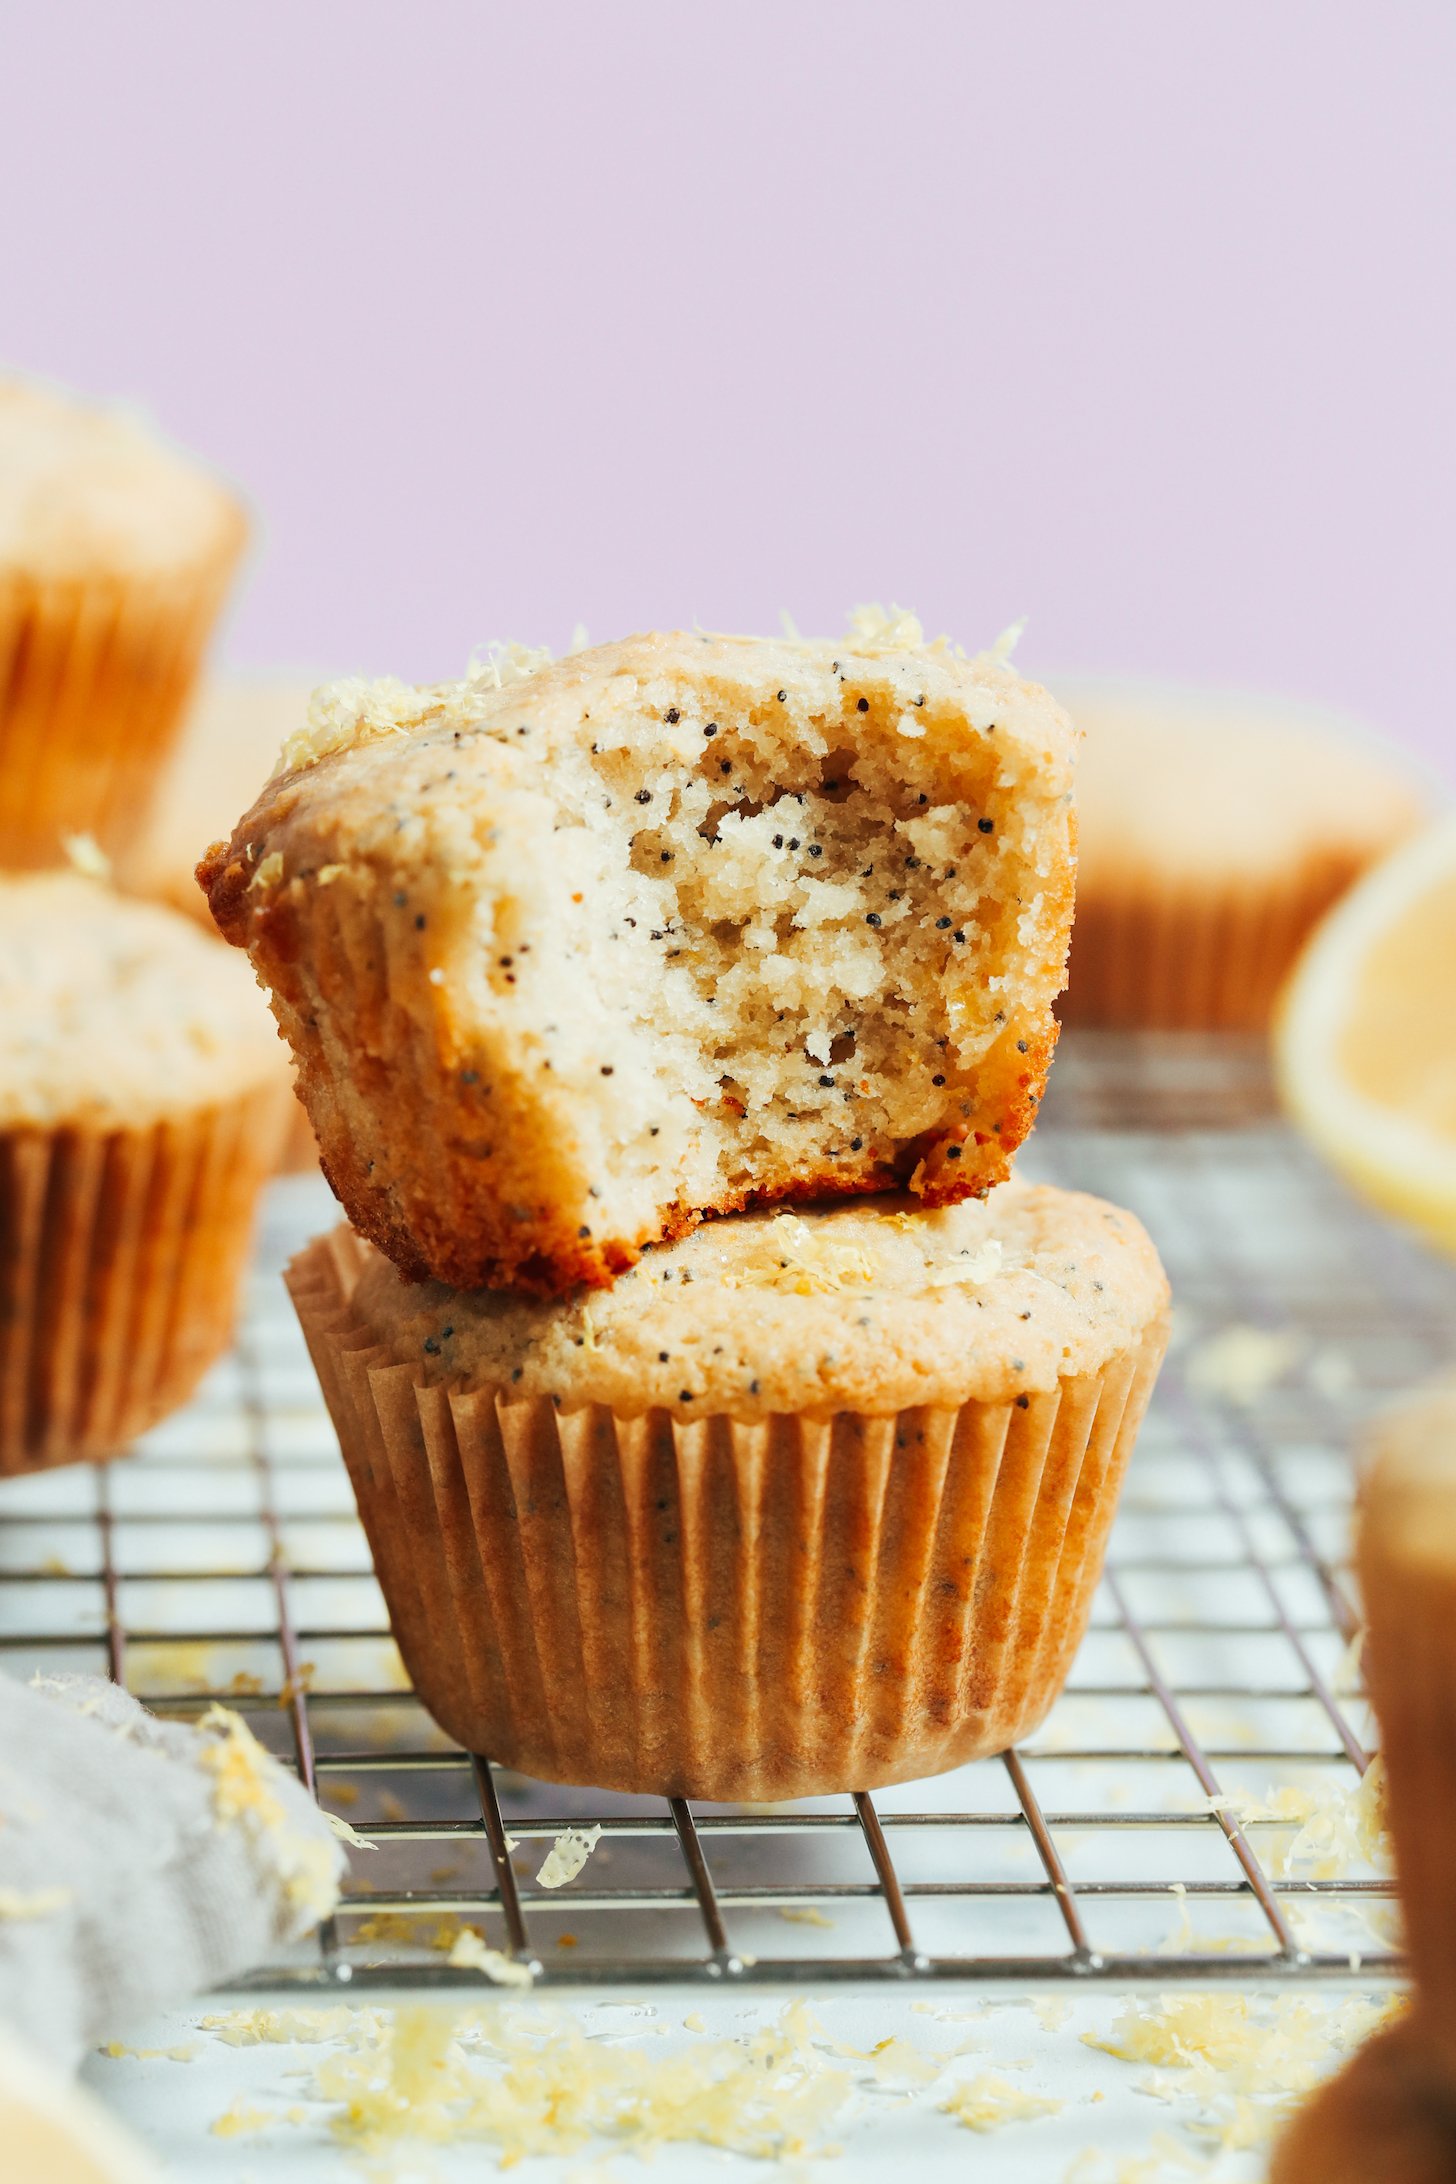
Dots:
pixel 235 728
pixel 143 1096
pixel 803 1503
pixel 1214 831
pixel 115 555
pixel 573 954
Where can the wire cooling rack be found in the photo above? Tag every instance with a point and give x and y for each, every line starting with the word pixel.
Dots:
pixel 1178 1815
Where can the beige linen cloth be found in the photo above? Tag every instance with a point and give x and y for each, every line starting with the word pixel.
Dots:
pixel 141 1861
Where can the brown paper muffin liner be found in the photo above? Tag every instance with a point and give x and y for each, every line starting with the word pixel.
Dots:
pixel 1150 955
pixel 95 674
pixel 721 1609
pixel 121 1255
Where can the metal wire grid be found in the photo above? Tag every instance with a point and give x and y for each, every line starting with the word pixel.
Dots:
pixel 224 1560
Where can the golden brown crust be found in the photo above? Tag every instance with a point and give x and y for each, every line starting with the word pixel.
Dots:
pixel 361 884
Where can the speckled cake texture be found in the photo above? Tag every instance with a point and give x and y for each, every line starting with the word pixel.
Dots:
pixel 807 1502
pixel 573 953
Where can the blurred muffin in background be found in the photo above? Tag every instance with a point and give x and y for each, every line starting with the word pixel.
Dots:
pixel 1214 831
pixel 143 1094
pixel 116 552
pixel 229 745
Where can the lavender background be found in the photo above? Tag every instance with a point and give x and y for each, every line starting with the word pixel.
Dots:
pixel 1136 317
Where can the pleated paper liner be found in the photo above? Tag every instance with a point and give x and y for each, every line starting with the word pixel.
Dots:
pixel 95 674
pixel 121 1256
pixel 720 1609
pixel 1151 955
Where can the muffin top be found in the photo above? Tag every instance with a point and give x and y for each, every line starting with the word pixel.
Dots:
pixel 875 1306
pixel 1207 785
pixel 888 650
pixel 116 1013
pixel 88 491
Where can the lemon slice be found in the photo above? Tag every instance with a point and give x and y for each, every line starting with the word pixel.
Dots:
pixel 53 2132
pixel 1365 1035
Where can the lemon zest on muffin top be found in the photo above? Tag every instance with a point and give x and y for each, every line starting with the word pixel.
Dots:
pixel 804 1263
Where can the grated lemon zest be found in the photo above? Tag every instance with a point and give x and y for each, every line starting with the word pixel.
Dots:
pixel 1248 2057
pixel 769 2096
pixel 803 1263
pixel 346 1833
pixel 988 2103
pixel 469 1952
pixel 971 1269
pixel 1331 1827
pixel 567 1855
pixel 269 870
pixel 245 1792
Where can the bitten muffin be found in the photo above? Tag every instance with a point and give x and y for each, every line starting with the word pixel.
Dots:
pixel 803 1503
pixel 142 1099
pixel 116 552
pixel 1214 832
pixel 572 955
pixel 1392 2112
pixel 230 741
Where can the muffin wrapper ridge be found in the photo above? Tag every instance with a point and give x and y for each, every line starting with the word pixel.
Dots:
pixel 121 1256
pixel 724 1609
pixel 96 673
pixel 1152 958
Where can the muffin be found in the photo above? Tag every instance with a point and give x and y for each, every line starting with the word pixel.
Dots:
pixel 230 740
pixel 572 955
pixel 142 1099
pixel 115 554
pixel 803 1503
pixel 1214 832
pixel 1392 2112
